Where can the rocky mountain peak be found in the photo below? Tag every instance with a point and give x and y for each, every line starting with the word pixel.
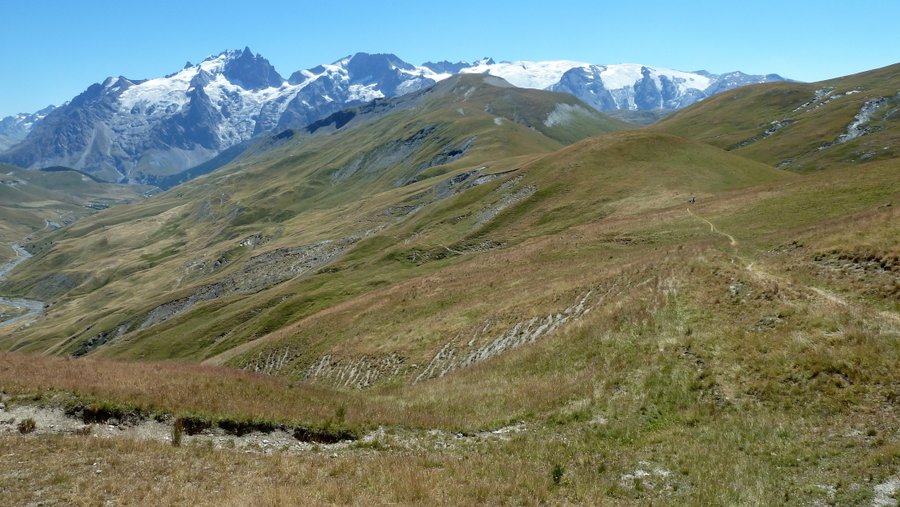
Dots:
pixel 251 71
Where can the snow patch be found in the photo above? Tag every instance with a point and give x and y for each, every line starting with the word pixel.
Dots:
pixel 625 75
pixel 365 93
pixel 160 93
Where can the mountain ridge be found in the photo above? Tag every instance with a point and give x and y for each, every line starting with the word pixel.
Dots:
pixel 801 126
pixel 138 131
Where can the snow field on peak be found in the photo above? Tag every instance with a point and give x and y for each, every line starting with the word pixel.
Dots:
pixel 241 107
pixel 527 74
pixel 624 75
pixel 364 93
pixel 426 73
pixel 541 75
pixel 160 92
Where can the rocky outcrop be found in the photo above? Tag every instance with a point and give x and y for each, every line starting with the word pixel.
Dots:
pixel 260 272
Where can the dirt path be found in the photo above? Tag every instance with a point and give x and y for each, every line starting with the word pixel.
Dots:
pixel 826 295
pixel 712 228
pixel 766 276
pixel 892 319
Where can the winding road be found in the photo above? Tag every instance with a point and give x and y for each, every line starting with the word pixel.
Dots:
pixel 33 307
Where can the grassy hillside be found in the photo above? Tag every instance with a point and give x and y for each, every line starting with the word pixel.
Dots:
pixel 801 126
pixel 297 192
pixel 487 307
pixel 32 201
pixel 740 352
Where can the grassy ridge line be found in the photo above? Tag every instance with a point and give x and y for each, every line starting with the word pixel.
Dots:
pixel 775 123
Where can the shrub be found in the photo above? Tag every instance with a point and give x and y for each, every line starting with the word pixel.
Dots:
pixel 27 426
pixel 556 474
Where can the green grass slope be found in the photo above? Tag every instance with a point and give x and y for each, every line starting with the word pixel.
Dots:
pixel 799 125
pixel 295 192
pixel 32 201
pixel 616 175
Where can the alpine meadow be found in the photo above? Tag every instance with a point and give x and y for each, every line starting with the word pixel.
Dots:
pixel 541 282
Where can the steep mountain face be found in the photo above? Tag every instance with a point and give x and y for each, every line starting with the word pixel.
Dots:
pixel 143 131
pixel 621 86
pixel 353 80
pixel 633 87
pixel 136 131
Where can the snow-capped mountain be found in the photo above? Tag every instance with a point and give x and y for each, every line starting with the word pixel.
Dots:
pixel 618 86
pixel 13 129
pixel 132 130
pixel 140 130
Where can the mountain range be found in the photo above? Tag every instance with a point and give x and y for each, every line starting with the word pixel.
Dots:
pixel 140 131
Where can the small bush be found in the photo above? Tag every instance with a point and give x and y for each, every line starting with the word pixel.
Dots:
pixel 556 474
pixel 240 428
pixel 323 435
pixel 27 426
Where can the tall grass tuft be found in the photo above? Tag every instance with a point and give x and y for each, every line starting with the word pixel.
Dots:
pixel 177 431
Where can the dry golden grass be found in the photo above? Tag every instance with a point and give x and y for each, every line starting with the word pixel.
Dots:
pixel 671 379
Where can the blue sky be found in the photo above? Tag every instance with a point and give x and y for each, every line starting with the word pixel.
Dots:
pixel 54 49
